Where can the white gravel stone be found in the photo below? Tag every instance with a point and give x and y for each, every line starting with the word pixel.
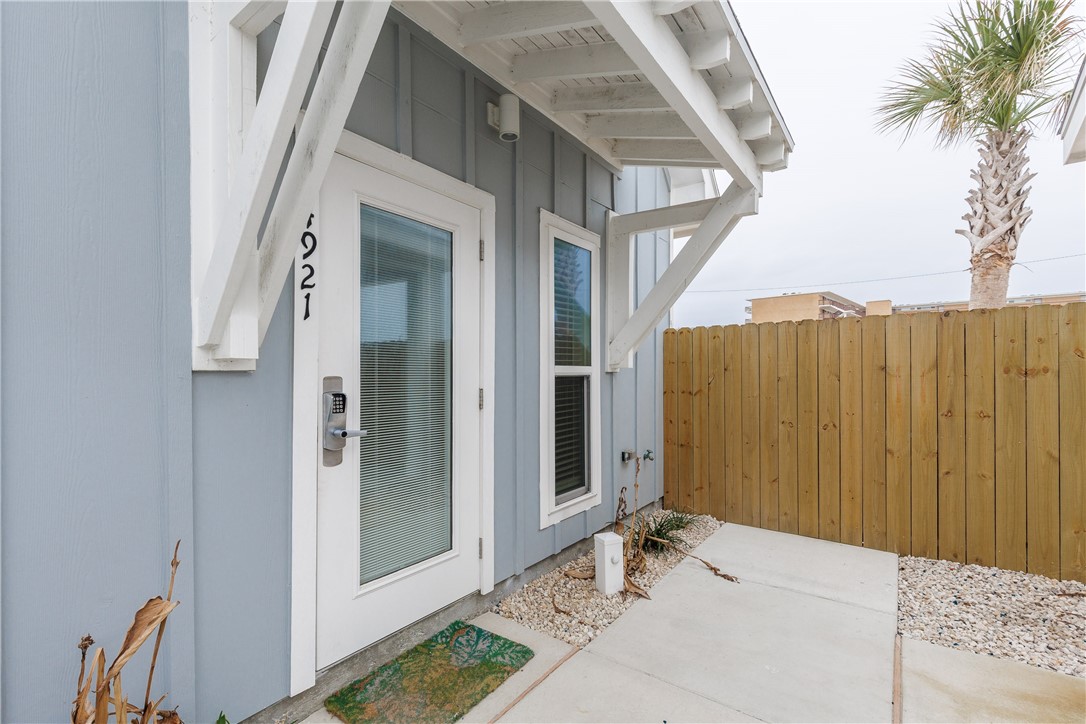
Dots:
pixel 1009 614
pixel 573 610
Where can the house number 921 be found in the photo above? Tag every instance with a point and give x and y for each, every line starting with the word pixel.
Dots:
pixel 309 245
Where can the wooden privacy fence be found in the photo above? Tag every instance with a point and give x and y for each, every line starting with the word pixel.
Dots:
pixel 946 435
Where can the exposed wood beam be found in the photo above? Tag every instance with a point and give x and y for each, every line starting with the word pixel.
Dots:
pixel 670 7
pixel 266 141
pixel 707 48
pixel 520 19
pixel 614 97
pixel 778 165
pixel 738 93
pixel 667 217
pixel 733 204
pixel 582 61
pixel 333 95
pixel 637 125
pixel 756 127
pixel 254 16
pixel 660 57
pixel 663 152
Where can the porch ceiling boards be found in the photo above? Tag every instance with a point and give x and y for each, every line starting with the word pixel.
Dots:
pixel 647 83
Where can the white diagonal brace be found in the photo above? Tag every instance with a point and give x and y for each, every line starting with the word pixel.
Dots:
pixel 660 57
pixel 256 15
pixel 518 20
pixel 733 204
pixel 666 217
pixel 289 71
pixel 334 92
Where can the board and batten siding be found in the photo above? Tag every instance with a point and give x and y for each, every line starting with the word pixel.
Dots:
pixel 94 256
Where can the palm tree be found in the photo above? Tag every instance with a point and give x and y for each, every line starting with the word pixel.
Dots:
pixel 994 72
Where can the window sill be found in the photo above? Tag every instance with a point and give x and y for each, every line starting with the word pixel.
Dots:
pixel 568 509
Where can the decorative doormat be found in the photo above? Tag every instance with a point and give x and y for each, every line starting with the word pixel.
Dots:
pixel 439 680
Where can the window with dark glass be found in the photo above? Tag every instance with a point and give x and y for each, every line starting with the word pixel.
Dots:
pixel 572 368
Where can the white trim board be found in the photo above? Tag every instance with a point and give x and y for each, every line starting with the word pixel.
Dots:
pixel 303 591
pixel 551 227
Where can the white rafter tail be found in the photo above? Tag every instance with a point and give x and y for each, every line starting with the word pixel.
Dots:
pixel 638 125
pixel 738 93
pixel 265 144
pixel 337 84
pixel 670 7
pixel 663 152
pixel 506 21
pixel 661 59
pixel 707 48
pixel 756 127
pixel 254 16
pixel 733 205
pixel 770 153
pixel 611 98
pixel 582 61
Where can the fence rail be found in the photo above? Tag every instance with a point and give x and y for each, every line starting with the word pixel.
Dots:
pixel 955 435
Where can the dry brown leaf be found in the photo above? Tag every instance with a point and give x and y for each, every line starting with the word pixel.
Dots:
pixel 101 692
pixel 580 573
pixel 559 609
pixel 146 621
pixel 633 588
pixel 82 711
pixel 169 717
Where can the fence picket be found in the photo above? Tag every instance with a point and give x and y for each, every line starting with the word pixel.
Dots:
pixel 1042 441
pixel 684 350
pixel 1072 362
pixel 787 489
pixel 829 430
pixel 1010 438
pixel 699 402
pixel 767 412
pixel 925 436
pixel 751 425
pixel 874 431
pixel 671 453
pixel 951 361
pixel 852 530
pixel 807 425
pixel 717 506
pixel 733 424
pixel 980 438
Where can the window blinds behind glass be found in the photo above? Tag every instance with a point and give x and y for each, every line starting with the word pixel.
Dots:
pixel 405 475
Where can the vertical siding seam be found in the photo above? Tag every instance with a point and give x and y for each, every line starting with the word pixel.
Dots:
pixel 469 128
pixel 403 91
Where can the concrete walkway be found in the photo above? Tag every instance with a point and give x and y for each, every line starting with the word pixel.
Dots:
pixel 808 635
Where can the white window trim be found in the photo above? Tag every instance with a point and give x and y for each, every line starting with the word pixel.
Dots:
pixel 551 227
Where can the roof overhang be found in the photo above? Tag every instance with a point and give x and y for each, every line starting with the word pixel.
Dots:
pixel 668 83
pixel 1073 131
pixel 640 83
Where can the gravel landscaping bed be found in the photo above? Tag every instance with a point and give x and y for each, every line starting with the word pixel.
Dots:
pixel 573 610
pixel 1008 614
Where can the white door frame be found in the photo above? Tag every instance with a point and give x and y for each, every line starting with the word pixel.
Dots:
pixel 307 409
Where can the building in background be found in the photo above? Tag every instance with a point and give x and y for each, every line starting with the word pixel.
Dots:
pixel 827 305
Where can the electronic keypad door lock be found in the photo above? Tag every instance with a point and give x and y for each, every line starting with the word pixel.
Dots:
pixel 335 431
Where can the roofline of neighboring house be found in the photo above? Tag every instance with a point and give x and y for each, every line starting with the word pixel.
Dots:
pixel 1076 97
pixel 1073 128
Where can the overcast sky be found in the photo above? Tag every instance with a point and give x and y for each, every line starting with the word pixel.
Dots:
pixel 855 205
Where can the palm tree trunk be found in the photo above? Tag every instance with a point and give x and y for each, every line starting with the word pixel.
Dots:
pixel 997 214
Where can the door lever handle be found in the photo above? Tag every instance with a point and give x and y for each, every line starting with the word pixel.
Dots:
pixel 340 432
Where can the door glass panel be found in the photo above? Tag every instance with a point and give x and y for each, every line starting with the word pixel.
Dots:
pixel 405 472
pixel 572 302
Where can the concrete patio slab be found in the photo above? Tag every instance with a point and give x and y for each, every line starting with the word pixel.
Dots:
pixel 548 652
pixel 769 652
pixel 592 688
pixel 839 572
pixel 948 685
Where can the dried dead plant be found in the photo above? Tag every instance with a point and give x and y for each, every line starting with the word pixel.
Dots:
pixel 107 684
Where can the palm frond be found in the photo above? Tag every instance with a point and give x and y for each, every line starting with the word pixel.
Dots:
pixel 992 65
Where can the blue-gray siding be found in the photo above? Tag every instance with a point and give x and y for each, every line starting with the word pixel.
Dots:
pixel 95 336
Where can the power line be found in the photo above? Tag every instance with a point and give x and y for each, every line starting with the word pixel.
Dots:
pixel 865 281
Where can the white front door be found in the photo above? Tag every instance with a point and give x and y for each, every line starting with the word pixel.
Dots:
pixel 399 316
